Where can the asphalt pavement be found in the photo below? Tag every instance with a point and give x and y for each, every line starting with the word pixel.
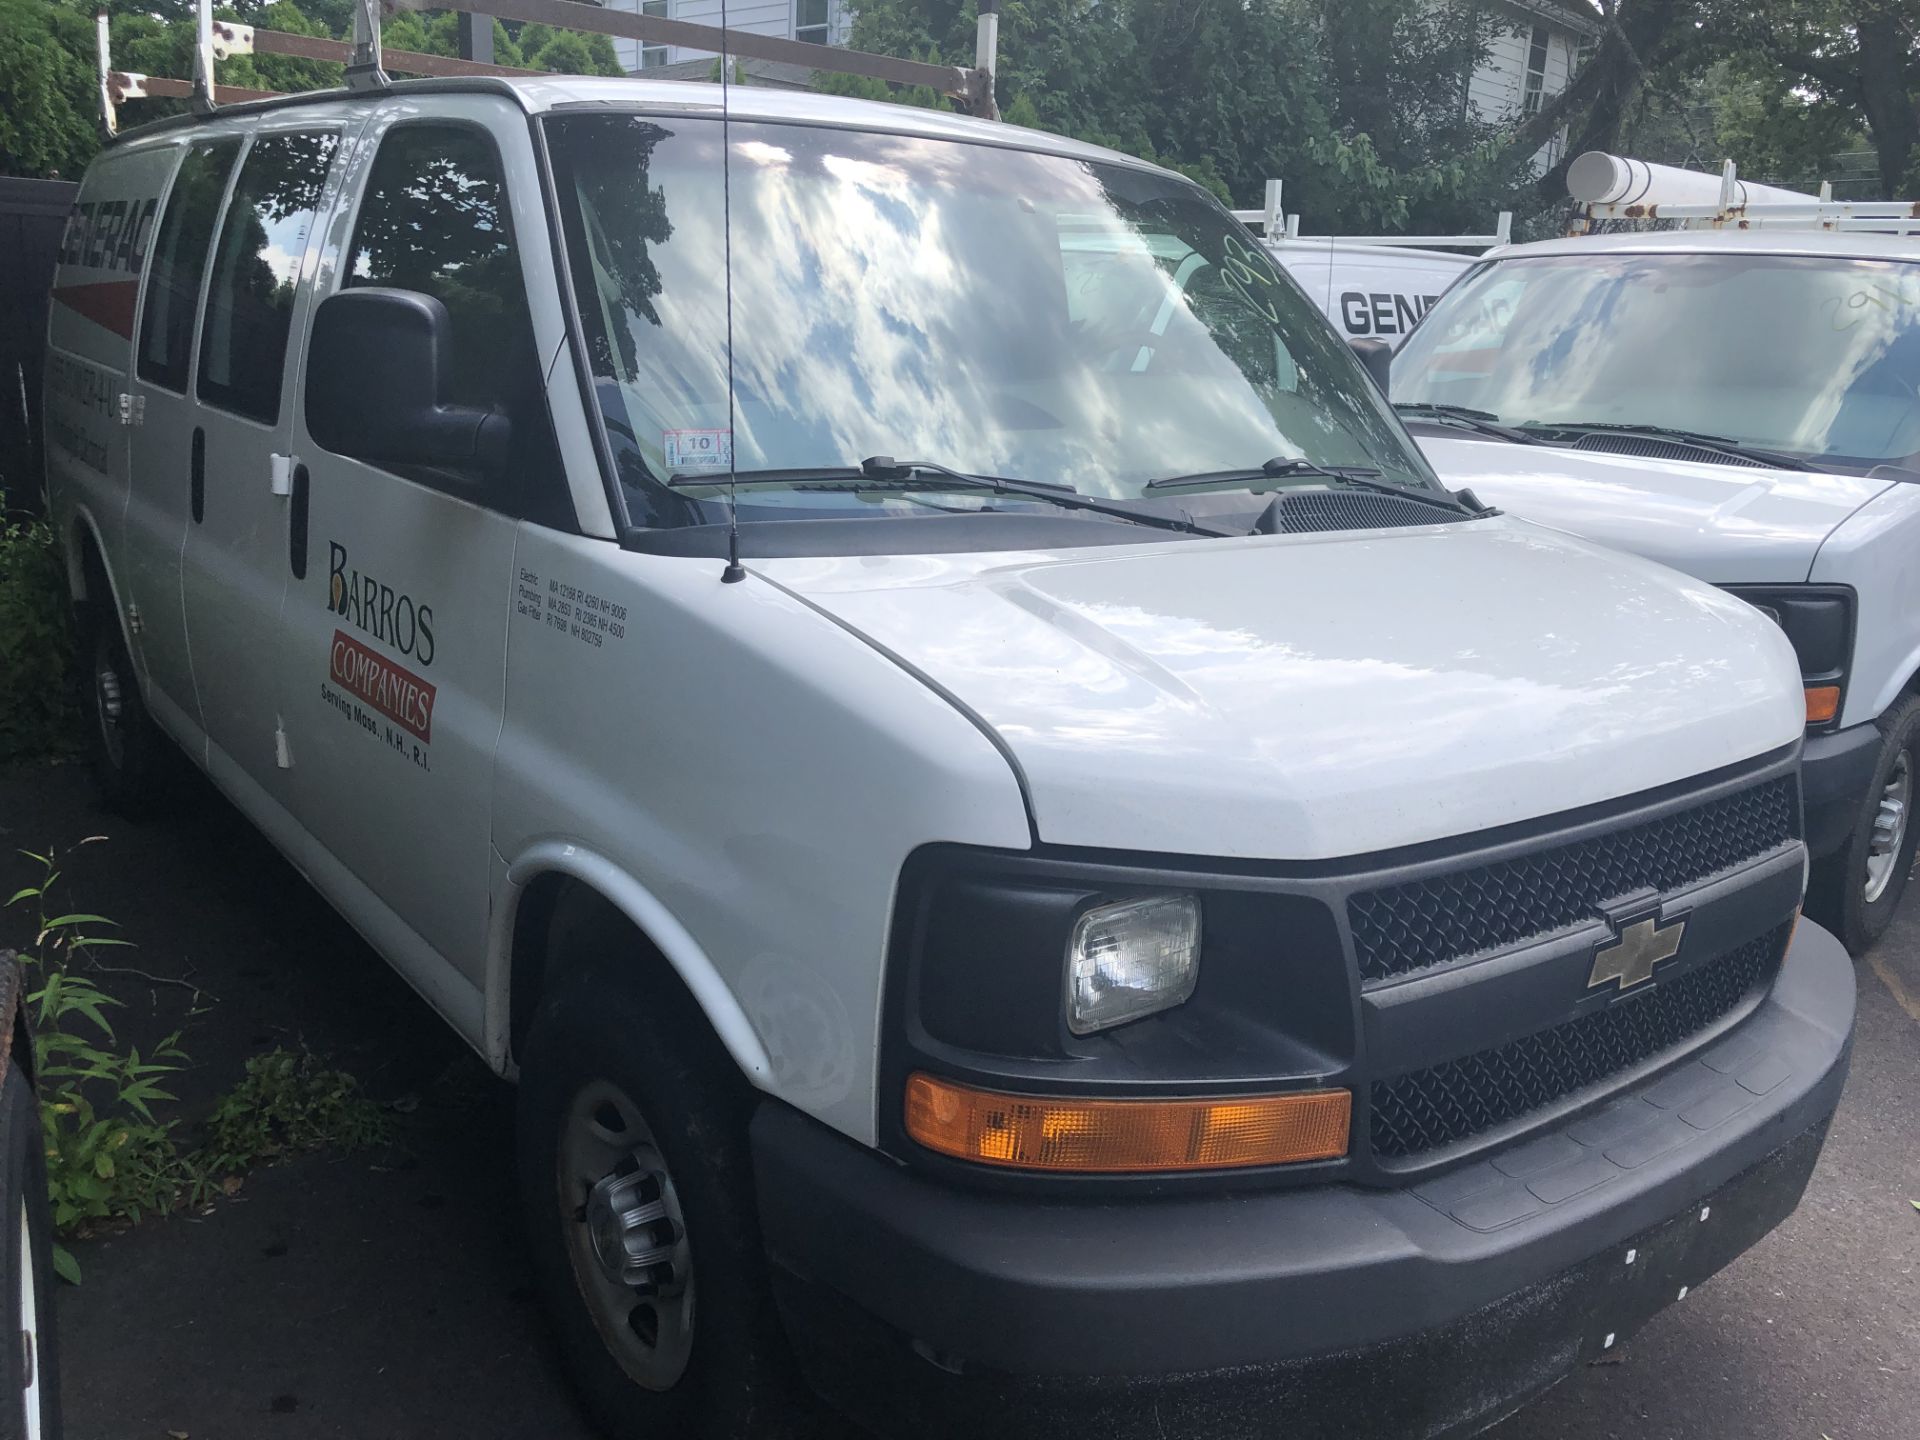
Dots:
pixel 385 1295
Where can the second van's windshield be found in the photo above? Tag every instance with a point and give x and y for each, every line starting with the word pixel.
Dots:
pixel 1001 312
pixel 1816 358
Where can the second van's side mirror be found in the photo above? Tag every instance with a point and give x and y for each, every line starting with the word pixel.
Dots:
pixel 377 364
pixel 1376 357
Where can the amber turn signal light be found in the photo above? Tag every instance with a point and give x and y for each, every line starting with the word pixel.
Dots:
pixel 1032 1132
pixel 1823 703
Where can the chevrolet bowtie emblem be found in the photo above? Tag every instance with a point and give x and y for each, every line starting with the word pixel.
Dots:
pixel 1631 958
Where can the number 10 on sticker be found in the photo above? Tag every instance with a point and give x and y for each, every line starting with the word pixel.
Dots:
pixel 698 449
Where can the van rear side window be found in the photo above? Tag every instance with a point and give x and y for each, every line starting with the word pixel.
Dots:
pixel 179 262
pixel 243 345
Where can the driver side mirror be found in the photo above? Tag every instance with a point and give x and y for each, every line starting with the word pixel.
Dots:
pixel 377 365
pixel 1375 357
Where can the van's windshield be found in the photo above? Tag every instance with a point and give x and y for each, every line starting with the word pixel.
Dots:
pixel 1817 358
pixel 997 311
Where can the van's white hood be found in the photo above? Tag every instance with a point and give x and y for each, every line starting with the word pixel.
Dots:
pixel 1308 697
pixel 1725 523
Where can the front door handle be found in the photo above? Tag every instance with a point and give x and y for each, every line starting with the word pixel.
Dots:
pixel 198 482
pixel 297 524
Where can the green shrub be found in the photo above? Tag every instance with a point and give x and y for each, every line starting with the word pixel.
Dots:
pixel 110 1160
pixel 287 1105
pixel 108 1157
pixel 38 713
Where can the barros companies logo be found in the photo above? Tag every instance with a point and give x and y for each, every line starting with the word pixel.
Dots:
pixel 376 609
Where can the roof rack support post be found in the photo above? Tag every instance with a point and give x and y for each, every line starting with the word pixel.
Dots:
pixel 364 70
pixel 986 58
pixel 103 52
pixel 202 101
pixel 1729 186
pixel 1503 228
pixel 1272 217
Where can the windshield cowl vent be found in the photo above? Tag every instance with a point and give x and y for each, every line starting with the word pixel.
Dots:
pixel 1311 510
pixel 1661 450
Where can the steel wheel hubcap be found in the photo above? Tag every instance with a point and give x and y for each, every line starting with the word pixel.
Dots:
pixel 1889 835
pixel 110 704
pixel 626 1237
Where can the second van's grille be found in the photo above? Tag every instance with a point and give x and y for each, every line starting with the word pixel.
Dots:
pixel 1401 929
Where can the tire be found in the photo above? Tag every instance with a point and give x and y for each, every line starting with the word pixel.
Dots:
pixel 129 756
pixel 29 1357
pixel 598 1048
pixel 1855 891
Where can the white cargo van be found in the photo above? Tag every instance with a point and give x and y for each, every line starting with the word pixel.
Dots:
pixel 1143 895
pixel 1743 404
pixel 1372 287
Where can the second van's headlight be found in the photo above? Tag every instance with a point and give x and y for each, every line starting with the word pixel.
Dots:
pixel 1131 958
pixel 1819 622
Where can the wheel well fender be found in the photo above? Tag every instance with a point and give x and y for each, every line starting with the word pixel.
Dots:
pixel 554 873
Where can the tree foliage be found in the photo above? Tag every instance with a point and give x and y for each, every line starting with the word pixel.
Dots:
pixel 49 89
pixel 1358 105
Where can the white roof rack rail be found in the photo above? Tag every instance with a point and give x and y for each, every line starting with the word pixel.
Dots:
pixel 1612 187
pixel 1277 227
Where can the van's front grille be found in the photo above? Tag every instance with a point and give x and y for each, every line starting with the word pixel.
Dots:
pixel 1410 927
pixel 1446 1103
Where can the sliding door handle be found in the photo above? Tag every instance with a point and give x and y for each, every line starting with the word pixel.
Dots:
pixel 297 524
pixel 198 483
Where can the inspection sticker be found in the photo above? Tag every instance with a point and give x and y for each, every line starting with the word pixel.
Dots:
pixel 698 449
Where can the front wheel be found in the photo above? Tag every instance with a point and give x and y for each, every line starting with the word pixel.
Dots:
pixel 29 1373
pixel 637 1185
pixel 1855 891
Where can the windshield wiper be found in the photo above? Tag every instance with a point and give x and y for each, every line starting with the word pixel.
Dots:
pixel 1483 422
pixel 1700 440
pixel 1360 477
pixel 883 472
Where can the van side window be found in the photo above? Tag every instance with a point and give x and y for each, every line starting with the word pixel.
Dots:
pixel 180 260
pixel 434 220
pixel 243 344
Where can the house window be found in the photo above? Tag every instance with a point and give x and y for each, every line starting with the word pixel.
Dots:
pixel 652 55
pixel 811 21
pixel 1536 71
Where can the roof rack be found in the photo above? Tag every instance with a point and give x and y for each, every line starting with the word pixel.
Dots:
pixel 1611 187
pixel 1280 228
pixel 369 63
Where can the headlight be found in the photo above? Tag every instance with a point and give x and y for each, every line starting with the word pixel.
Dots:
pixel 1818 620
pixel 1130 959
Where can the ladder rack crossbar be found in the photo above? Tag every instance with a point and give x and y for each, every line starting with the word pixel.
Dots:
pixel 367 61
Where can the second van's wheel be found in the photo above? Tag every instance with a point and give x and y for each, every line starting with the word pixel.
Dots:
pixel 637 1184
pixel 29 1365
pixel 128 753
pixel 1855 891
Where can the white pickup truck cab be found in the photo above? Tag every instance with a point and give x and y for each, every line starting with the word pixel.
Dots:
pixel 1743 405
pixel 1142 893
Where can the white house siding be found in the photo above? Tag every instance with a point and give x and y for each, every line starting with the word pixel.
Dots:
pixel 1497 90
pixel 758 17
